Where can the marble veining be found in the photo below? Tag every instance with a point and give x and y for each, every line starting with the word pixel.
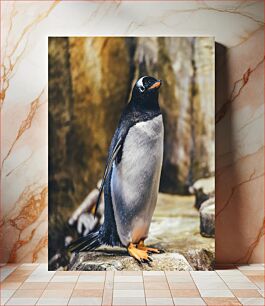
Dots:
pixel 236 25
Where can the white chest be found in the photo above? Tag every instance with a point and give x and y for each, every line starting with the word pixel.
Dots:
pixel 135 180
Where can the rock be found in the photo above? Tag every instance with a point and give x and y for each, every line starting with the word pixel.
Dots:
pixel 203 189
pixel 117 259
pixel 200 259
pixel 58 262
pixel 174 228
pixel 207 218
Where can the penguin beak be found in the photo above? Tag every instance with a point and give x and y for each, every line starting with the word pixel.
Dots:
pixel 155 85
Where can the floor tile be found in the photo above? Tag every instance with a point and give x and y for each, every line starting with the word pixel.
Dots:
pixel 128 273
pixel 159 301
pixel 127 279
pixel 177 273
pixel 232 272
pixel 107 297
pixel 33 286
pixel 211 285
pixel 41 269
pixel 155 278
pixel 250 267
pixel 85 301
pixel 109 280
pixel 157 293
pixel 86 285
pixel 6 271
pixel 261 292
pixel 64 279
pixel 16 278
pixel 20 271
pixel 28 284
pixel 215 301
pixel 60 286
pixel 235 279
pixel 182 286
pixel 22 301
pixel 131 301
pixel 93 273
pixel 68 273
pixel 3 300
pixel 128 293
pixel 256 278
pixel 153 273
pixel 156 285
pixel 260 285
pixel 109 275
pixel 53 301
pixel 130 286
pixel 91 278
pixel 253 272
pixel 39 278
pixel 246 293
pixel 9 285
pixel 56 293
pixel 182 293
pixel 251 301
pixel 188 301
pixel 179 279
pixel 7 293
pixel 28 293
pixel 109 285
pixel 87 292
pixel 214 278
pixel 216 293
pixel 204 274
pixel 241 285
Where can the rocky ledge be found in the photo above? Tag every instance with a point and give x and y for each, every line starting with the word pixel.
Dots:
pixel 117 260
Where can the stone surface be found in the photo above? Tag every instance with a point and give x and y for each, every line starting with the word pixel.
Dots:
pixel 175 229
pixel 207 218
pixel 113 259
pixel 203 189
pixel 175 225
pixel 200 259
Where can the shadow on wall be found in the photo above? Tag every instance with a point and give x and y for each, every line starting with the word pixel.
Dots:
pixel 223 137
pixel 90 80
pixel 225 142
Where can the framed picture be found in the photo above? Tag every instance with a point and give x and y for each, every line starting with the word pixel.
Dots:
pixel 131 153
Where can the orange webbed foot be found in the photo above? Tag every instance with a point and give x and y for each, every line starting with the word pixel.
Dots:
pixel 138 254
pixel 142 247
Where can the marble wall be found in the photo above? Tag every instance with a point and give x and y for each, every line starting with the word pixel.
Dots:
pixel 238 29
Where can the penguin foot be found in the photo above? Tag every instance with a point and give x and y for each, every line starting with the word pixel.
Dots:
pixel 138 254
pixel 142 247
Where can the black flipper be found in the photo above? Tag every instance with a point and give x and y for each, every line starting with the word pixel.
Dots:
pixel 111 159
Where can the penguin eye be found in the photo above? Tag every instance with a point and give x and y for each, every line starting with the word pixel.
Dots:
pixel 142 88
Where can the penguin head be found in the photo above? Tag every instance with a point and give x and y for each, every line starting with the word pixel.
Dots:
pixel 145 89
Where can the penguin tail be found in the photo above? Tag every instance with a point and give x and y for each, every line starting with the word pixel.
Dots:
pixel 87 243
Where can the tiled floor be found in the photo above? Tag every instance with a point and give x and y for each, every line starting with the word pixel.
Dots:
pixel 32 284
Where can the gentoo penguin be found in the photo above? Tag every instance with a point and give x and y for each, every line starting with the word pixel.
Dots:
pixel 132 175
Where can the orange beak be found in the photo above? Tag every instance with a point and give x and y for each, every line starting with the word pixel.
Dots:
pixel 155 85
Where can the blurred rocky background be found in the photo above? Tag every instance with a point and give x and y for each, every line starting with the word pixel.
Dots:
pixel 90 81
